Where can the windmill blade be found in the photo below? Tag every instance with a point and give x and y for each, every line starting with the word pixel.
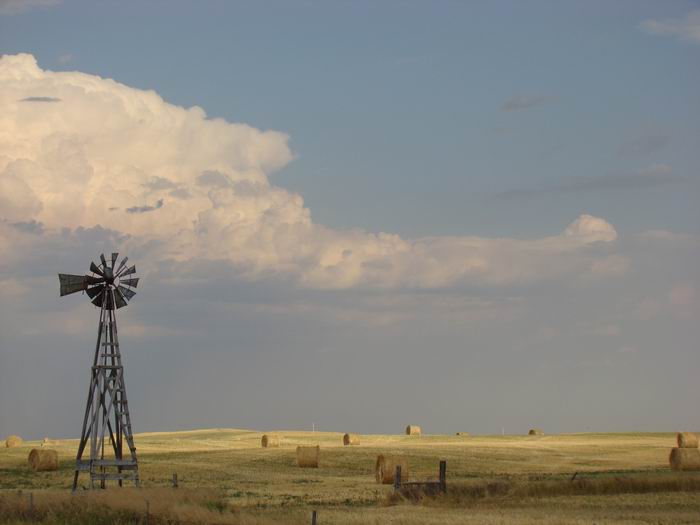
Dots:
pixel 130 282
pixel 71 283
pixel 114 259
pixel 128 271
pixel 94 291
pixel 126 292
pixel 95 269
pixel 104 261
pixel 97 301
pixel 121 265
pixel 119 299
pixel 93 280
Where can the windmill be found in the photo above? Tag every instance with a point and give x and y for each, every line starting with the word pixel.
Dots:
pixel 106 423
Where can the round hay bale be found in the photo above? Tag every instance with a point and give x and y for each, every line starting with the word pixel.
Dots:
pixel 13 441
pixel 462 434
pixel 307 457
pixel 687 440
pixel 43 459
pixel 351 439
pixel 385 468
pixel 536 432
pixel 270 441
pixel 413 430
pixel 684 459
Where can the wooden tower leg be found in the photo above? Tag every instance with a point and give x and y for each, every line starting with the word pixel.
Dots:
pixel 107 411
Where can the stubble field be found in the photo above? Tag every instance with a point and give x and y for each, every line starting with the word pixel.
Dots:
pixel 226 477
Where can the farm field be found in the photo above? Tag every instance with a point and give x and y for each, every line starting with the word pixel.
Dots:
pixel 226 477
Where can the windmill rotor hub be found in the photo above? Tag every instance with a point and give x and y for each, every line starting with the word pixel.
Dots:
pixel 111 285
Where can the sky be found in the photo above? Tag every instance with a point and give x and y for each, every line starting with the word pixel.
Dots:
pixel 470 216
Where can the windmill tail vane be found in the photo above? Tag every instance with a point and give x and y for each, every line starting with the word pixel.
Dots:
pixel 106 430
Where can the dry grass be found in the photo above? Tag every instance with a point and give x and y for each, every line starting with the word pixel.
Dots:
pixel 518 489
pixel 127 505
pixel 266 484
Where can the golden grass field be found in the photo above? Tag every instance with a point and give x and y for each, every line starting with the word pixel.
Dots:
pixel 226 477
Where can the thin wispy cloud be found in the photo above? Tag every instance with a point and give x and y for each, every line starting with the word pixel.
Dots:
pixel 13 7
pixel 159 183
pixel 29 226
pixel 644 145
pixel 686 28
pixel 181 193
pixel 520 102
pixel 40 99
pixel 650 177
pixel 213 179
pixel 500 130
pixel 145 209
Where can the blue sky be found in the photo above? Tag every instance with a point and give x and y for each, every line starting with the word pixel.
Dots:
pixel 397 105
pixel 465 128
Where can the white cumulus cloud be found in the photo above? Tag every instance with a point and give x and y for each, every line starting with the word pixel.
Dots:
pixel 159 175
pixel 686 28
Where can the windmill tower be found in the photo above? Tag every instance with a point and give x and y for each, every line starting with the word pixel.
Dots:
pixel 106 425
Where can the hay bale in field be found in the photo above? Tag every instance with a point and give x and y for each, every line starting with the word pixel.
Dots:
pixel 43 459
pixel 385 468
pixel 13 441
pixel 536 432
pixel 687 440
pixel 462 434
pixel 351 439
pixel 270 441
pixel 413 430
pixel 307 457
pixel 684 459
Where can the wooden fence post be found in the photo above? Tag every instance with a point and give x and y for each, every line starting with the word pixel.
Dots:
pixel 148 512
pixel 31 506
pixel 443 476
pixel 313 517
pixel 397 478
pixel 175 485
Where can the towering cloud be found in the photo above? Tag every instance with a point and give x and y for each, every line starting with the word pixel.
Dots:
pixel 155 174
